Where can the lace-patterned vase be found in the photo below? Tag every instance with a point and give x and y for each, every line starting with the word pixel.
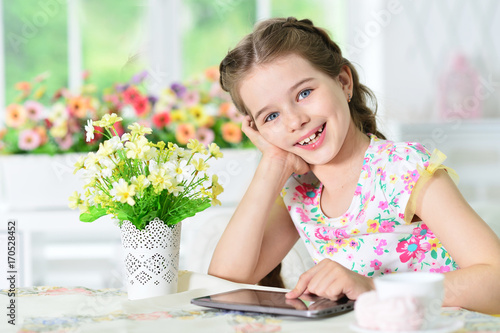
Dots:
pixel 151 258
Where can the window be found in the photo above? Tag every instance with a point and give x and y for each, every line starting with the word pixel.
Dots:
pixel 112 39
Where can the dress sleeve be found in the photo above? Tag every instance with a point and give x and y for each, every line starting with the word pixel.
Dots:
pixel 426 170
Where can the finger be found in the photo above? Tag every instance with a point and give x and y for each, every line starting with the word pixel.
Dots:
pixel 303 283
pixel 248 127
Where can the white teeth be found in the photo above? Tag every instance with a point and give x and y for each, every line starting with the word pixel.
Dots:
pixel 313 137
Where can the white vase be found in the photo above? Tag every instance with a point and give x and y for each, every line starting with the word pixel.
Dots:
pixel 151 258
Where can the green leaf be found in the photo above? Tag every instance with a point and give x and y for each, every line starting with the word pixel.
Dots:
pixel 448 261
pixel 370 274
pixel 93 214
pixel 314 210
pixel 434 254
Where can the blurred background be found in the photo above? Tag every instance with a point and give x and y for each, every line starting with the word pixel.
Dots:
pixel 433 66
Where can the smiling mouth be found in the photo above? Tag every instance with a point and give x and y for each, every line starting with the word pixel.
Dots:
pixel 313 138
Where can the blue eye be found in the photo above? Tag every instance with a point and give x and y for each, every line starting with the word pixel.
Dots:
pixel 303 94
pixel 272 116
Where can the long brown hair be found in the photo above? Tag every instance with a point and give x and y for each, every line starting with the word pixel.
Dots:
pixel 277 37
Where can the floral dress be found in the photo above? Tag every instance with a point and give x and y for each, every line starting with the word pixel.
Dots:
pixel 375 236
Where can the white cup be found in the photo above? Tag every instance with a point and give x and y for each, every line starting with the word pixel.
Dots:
pixel 427 288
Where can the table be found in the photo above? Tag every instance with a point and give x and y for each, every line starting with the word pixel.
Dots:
pixel 80 309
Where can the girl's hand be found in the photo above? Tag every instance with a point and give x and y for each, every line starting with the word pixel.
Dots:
pixel 295 163
pixel 331 280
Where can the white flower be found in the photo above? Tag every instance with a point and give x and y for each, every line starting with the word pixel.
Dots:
pixel 123 192
pixel 180 170
pixel 126 137
pixel 58 113
pixel 89 128
pixel 115 142
pixel 175 189
pixel 138 148
pixel 160 178
pixel 91 161
pixel 108 166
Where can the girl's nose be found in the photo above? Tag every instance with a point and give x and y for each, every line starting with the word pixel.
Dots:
pixel 296 119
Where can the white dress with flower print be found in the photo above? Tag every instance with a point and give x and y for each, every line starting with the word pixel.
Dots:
pixel 375 235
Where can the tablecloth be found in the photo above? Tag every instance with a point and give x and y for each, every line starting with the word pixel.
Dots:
pixel 80 309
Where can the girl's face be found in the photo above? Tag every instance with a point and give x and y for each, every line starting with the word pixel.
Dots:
pixel 299 108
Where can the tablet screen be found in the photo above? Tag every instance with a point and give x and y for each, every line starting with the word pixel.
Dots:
pixel 275 303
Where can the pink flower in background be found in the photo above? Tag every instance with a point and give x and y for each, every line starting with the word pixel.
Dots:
pixel 161 119
pixel 131 95
pixel 66 142
pixel 205 135
pixel 34 110
pixel 191 98
pixel 141 106
pixel 29 140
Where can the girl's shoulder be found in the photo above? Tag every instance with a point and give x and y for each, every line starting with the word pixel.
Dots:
pixel 397 154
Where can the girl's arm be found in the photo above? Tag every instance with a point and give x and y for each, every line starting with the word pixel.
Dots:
pixel 469 241
pixel 260 232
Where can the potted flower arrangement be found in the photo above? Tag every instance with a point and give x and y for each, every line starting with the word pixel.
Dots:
pixel 149 188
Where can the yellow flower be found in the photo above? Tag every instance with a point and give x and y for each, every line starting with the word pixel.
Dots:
pixel 214 150
pixel 59 130
pixel 199 165
pixel 137 129
pixel 39 92
pixel 75 201
pixel 108 120
pixel 216 190
pixel 123 192
pixel 199 115
pixel 196 146
pixel 79 164
pixel 140 182
pixel 393 178
pixel 355 231
pixel 178 116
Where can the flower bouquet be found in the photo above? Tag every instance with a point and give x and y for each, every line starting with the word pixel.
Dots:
pixel 39 124
pixel 149 188
pixel 195 109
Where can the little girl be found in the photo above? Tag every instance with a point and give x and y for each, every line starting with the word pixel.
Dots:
pixel 363 205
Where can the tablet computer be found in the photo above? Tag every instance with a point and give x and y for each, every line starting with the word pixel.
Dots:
pixel 275 302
